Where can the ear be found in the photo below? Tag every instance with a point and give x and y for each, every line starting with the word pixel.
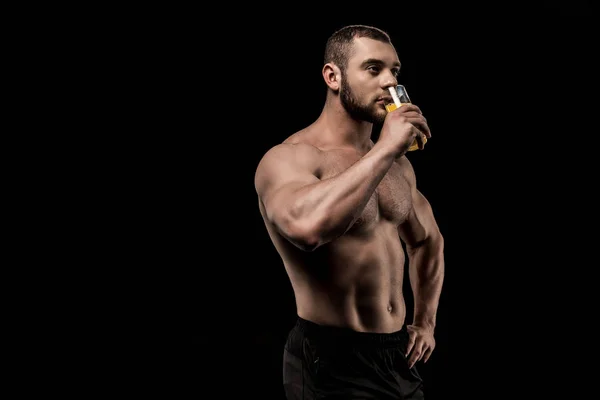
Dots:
pixel 332 76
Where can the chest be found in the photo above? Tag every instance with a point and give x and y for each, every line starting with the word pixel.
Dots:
pixel 391 200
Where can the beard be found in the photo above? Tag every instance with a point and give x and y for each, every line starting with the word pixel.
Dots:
pixel 357 110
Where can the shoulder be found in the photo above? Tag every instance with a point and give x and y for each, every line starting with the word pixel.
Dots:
pixel 287 159
pixel 288 153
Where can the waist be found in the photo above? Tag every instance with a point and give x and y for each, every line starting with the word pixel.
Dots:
pixel 348 336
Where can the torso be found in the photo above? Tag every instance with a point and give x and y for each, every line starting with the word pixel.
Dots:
pixel 356 280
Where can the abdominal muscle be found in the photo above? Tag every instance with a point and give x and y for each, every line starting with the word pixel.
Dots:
pixel 353 282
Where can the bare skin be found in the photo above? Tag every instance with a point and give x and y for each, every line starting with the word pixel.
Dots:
pixel 338 207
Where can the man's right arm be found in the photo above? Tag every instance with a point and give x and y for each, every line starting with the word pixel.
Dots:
pixel 308 211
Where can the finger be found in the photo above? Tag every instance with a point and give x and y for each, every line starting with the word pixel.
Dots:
pixel 415 356
pixel 411 342
pixel 421 124
pixel 421 140
pixel 426 131
pixel 427 354
pixel 410 107
pixel 411 114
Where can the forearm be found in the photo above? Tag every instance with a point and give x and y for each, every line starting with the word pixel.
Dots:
pixel 328 208
pixel 426 272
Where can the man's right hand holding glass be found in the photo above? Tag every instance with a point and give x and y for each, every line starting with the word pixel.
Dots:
pixel 402 126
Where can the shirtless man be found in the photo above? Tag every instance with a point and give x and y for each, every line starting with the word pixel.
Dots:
pixel 337 206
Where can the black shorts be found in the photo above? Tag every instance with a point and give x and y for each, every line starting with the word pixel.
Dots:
pixel 322 362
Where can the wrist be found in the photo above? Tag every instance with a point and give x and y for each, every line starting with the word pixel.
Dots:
pixel 424 322
pixel 380 150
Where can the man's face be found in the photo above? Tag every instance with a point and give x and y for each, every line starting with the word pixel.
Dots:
pixel 372 68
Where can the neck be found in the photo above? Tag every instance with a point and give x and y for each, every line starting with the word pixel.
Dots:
pixel 337 128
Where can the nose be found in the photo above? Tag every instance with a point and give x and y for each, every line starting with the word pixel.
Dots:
pixel 389 79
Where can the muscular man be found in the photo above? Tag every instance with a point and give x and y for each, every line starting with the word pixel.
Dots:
pixel 337 206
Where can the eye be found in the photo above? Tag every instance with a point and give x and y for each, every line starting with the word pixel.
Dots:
pixel 373 68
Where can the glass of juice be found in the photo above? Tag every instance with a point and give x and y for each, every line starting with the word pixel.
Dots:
pixel 400 96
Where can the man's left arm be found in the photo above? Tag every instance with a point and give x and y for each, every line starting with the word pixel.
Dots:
pixel 425 247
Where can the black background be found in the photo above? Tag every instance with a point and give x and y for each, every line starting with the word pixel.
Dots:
pixel 506 89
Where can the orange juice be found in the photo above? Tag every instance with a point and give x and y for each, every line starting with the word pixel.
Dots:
pixel 415 145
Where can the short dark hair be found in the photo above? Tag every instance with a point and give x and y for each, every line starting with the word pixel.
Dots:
pixel 339 45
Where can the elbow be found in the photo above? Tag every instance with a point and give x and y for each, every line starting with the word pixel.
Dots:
pixel 304 233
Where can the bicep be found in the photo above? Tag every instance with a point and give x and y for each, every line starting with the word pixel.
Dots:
pixel 281 172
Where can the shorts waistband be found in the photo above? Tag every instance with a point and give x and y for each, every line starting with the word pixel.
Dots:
pixel 350 336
